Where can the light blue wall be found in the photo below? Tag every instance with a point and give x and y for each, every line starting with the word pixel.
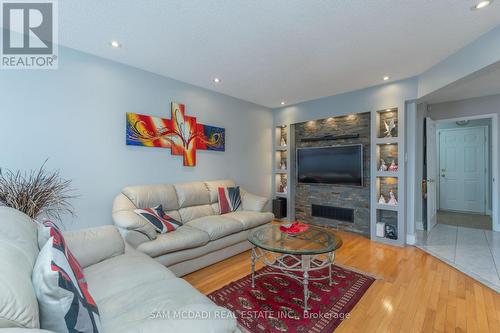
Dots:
pixel 75 116
pixel 370 99
pixel 477 55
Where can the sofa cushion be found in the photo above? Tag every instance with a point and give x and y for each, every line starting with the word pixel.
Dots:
pixel 18 253
pixel 125 272
pixel 173 258
pixel 152 195
pixel 153 307
pixel 160 221
pixel 213 186
pixel 192 194
pixel 250 219
pixel 185 237
pixel 215 208
pixel 216 226
pixel 94 245
pixel 190 213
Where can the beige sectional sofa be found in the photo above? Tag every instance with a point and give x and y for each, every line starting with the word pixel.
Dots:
pixel 133 292
pixel 204 238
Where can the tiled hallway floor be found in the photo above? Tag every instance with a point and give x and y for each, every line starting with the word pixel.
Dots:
pixel 473 251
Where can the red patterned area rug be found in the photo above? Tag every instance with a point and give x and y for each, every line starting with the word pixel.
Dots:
pixel 276 303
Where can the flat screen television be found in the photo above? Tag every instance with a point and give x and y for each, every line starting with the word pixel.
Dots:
pixel 340 165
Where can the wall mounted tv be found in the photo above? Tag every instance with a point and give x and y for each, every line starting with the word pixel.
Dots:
pixel 339 165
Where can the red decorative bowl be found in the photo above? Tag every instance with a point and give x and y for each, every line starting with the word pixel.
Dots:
pixel 294 228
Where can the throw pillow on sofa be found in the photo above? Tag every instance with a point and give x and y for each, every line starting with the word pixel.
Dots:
pixel 61 289
pixel 44 231
pixel 158 219
pixel 229 199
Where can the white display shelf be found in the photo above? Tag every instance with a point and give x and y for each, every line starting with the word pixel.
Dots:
pixel 394 174
pixel 387 207
pixel 386 141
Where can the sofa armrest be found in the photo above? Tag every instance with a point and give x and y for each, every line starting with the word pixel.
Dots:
pixel 124 217
pixel 252 202
pixel 134 238
pixel 91 246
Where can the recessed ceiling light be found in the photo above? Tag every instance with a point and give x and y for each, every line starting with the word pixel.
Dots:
pixel 115 44
pixel 282 103
pixel 386 78
pixel 217 80
pixel 388 110
pixel 482 4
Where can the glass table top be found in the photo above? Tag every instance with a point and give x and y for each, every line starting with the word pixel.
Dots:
pixel 314 240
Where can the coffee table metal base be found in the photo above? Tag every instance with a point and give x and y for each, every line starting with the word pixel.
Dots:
pixel 294 266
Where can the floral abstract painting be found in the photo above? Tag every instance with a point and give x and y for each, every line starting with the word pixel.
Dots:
pixel 181 133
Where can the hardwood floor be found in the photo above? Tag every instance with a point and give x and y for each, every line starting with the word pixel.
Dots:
pixel 417 292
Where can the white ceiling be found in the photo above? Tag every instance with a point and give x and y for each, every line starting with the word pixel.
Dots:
pixel 266 51
pixel 483 83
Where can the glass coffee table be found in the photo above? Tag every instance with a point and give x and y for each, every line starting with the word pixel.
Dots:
pixel 294 256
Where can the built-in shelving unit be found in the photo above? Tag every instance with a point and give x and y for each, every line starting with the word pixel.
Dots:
pixel 283 157
pixel 387 147
pixel 387 212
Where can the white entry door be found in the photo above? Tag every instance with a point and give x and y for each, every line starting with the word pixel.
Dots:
pixel 432 172
pixel 462 169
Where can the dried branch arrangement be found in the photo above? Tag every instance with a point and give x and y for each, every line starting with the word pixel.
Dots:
pixel 36 192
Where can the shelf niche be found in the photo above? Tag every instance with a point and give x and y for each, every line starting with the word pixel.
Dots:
pixel 281 137
pixel 389 153
pixel 385 118
pixel 281 161
pixel 387 224
pixel 384 186
pixel 281 184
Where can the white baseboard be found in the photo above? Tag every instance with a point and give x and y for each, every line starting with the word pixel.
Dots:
pixel 411 239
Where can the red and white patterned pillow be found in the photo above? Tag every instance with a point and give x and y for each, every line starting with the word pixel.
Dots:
pixel 65 302
pixel 158 219
pixel 229 199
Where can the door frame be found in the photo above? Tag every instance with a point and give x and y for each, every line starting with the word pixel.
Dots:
pixel 431 220
pixel 487 183
pixel 494 162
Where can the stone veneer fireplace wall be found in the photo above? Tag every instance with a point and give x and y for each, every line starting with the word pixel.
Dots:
pixel 357 198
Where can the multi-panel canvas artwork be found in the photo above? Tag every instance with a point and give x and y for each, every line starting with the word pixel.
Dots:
pixel 182 134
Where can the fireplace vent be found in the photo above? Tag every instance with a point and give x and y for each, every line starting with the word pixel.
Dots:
pixel 334 213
